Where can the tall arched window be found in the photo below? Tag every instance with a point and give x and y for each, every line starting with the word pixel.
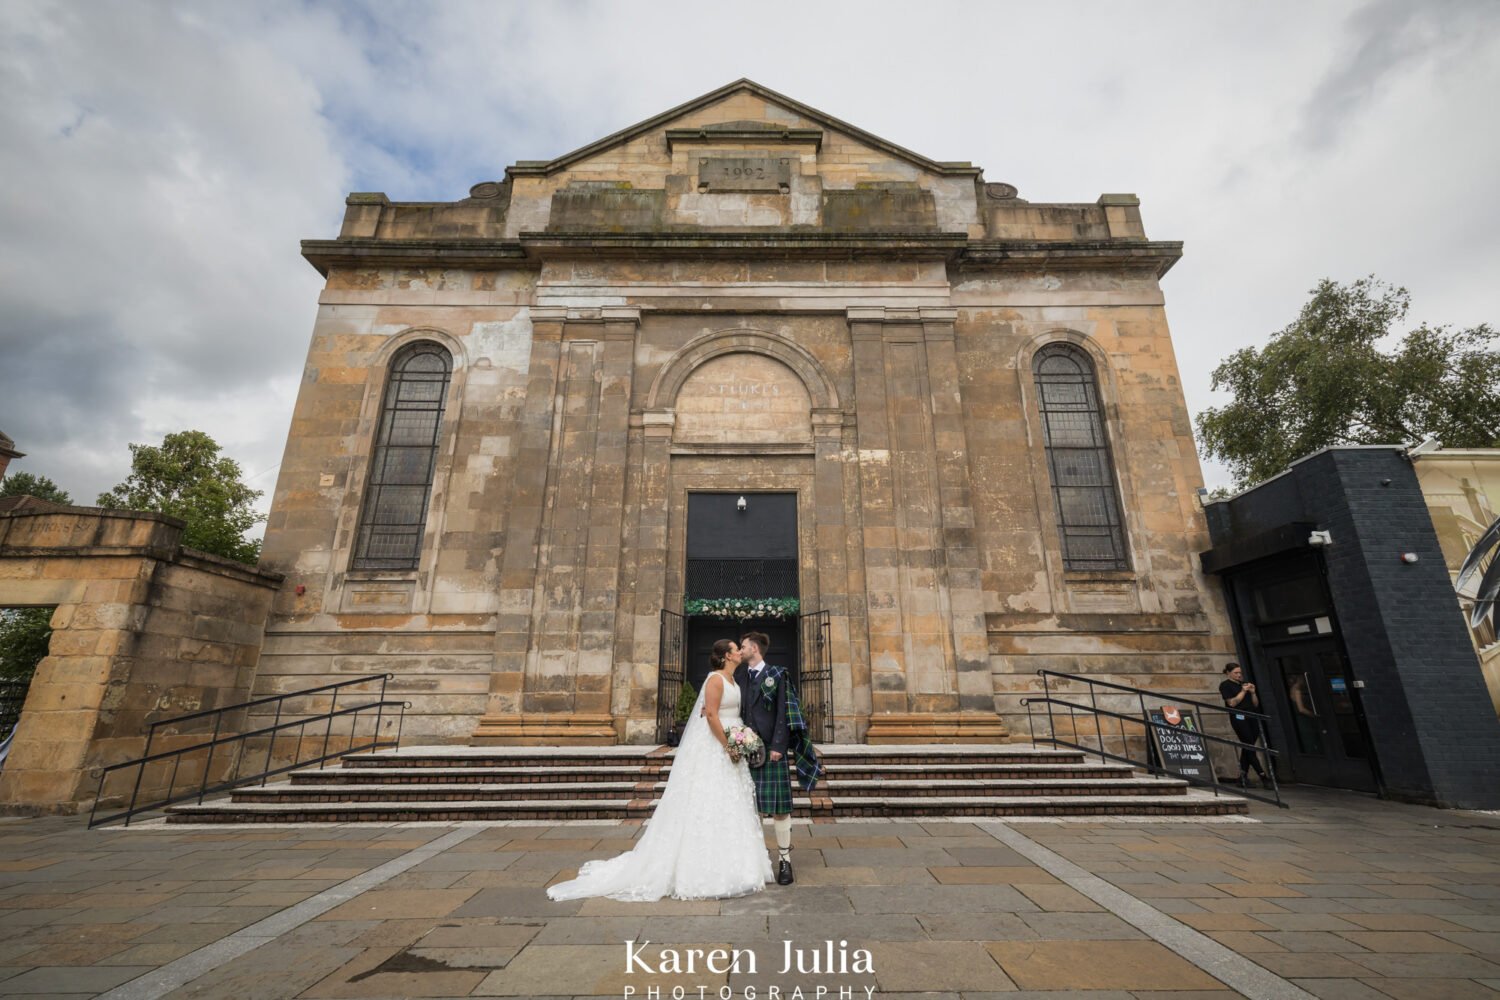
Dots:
pixel 402 463
pixel 1083 481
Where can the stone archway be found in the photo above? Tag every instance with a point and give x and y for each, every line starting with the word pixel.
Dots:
pixel 728 401
pixel 669 381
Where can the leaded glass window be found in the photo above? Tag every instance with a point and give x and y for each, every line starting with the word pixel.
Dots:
pixel 402 462
pixel 1083 485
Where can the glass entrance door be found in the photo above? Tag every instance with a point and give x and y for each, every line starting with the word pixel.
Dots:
pixel 1326 740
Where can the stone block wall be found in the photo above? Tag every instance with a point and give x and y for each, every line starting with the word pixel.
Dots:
pixel 1159 624
pixel 143 630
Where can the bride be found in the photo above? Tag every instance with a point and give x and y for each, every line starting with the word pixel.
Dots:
pixel 705 840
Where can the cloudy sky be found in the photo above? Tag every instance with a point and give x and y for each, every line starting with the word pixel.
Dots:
pixel 160 161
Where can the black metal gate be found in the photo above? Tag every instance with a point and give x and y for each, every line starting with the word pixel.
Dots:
pixel 669 672
pixel 815 683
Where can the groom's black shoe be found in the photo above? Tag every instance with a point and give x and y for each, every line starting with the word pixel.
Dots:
pixel 784 872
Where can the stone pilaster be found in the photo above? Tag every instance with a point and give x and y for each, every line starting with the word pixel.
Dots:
pixel 605 517
pixel 887 664
pixel 530 696
pixel 928 645
pixel 650 585
pixel 959 550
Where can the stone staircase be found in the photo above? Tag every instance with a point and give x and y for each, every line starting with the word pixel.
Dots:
pixel 623 782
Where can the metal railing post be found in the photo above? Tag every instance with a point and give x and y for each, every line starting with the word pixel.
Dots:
pixel 1150 736
pixel 332 708
pixel 270 747
pixel 208 766
pixel 140 774
pixel 1098 722
pixel 375 743
pixel 1124 741
pixel 1047 697
pixel 97 796
pixel 1265 739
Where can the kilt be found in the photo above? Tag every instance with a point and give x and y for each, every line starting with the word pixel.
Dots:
pixel 773 788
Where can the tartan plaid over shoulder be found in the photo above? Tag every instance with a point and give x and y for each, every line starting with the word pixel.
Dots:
pixel 800 748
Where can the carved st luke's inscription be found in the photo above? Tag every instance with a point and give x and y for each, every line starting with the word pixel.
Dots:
pixel 744 392
pixel 745 173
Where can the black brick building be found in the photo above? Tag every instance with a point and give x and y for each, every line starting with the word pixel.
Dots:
pixel 1354 637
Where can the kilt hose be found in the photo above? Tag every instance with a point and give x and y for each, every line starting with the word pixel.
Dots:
pixel 773 788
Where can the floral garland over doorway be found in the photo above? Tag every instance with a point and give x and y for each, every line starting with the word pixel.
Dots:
pixel 743 608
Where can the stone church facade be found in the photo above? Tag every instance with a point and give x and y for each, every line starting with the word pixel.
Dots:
pixel 969 401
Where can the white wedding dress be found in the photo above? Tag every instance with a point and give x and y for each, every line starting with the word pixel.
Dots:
pixel 705 839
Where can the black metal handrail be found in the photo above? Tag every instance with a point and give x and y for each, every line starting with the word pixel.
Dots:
pixel 1147 724
pixel 236 777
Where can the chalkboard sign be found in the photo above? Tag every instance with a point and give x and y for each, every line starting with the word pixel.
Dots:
pixel 1176 744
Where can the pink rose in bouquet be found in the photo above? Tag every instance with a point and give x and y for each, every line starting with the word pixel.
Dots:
pixel 744 744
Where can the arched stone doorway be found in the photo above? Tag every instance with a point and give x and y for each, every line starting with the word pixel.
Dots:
pixel 745 412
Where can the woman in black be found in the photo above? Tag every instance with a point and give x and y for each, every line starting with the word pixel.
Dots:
pixel 1238 694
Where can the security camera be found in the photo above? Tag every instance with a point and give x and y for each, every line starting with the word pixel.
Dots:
pixel 1318 539
pixel 740 504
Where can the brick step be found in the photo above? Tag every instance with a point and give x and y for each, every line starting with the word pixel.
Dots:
pixel 458 792
pixel 477 791
pixel 417 761
pixel 640 756
pixel 406 812
pixel 838 770
pixel 451 775
pixel 1194 804
pixel 951 752
pixel 840 788
pixel 1001 772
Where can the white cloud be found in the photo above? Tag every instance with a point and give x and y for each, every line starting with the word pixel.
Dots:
pixel 162 161
pixel 158 174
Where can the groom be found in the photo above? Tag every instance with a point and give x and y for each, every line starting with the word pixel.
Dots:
pixel 763 706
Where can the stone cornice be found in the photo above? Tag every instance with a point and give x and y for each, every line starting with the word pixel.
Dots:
pixel 710 136
pixel 478 254
pixel 1156 257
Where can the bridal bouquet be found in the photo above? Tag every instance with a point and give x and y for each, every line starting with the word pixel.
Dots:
pixel 744 744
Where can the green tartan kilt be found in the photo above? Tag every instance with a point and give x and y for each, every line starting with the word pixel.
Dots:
pixel 773 788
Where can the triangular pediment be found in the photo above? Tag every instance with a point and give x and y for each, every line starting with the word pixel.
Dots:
pixel 778 115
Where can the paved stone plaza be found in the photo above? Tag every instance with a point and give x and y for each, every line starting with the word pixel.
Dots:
pixel 1341 897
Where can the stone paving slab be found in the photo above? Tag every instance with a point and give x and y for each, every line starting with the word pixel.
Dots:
pixel 1342 896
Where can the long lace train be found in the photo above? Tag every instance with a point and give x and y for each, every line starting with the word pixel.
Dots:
pixel 705 839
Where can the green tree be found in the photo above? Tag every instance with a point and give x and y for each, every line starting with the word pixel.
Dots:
pixel 24 634
pixel 187 478
pixel 1325 380
pixel 19 484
